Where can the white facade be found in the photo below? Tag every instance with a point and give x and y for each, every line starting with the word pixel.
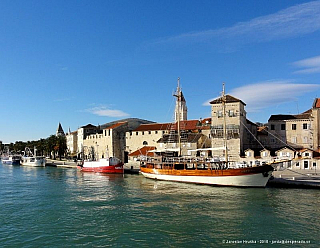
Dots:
pixel 72 139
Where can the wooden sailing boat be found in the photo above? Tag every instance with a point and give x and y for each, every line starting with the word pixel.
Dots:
pixel 201 170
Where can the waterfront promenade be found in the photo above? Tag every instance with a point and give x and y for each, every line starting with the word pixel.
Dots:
pixel 61 163
pixel 288 178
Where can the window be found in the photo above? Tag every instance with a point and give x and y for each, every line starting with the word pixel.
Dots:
pixel 137 133
pixel 272 127
pixel 231 113
pixel 305 139
pixel 297 164
pixel 142 132
pixel 220 113
pixel 294 140
pixel 306 164
pixel 306 154
pixel 145 143
pixel 294 126
pixel 305 126
pixel 149 132
pixel 314 165
pixel 156 132
pixel 283 126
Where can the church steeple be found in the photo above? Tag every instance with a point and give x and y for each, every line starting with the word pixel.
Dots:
pixel 60 130
pixel 181 106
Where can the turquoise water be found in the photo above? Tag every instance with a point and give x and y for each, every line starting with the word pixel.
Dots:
pixel 55 207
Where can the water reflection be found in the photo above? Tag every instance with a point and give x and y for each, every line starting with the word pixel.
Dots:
pixel 100 209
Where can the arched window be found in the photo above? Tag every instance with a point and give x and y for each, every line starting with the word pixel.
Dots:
pixel 145 143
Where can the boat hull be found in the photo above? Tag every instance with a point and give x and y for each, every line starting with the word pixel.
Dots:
pixel 103 169
pixel 244 177
pixel 33 162
pixel 11 160
pixel 102 166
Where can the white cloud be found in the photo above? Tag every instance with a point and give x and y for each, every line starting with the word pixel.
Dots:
pixel 105 111
pixel 269 93
pixel 310 65
pixel 290 22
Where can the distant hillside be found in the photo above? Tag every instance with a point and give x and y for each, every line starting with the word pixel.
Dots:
pixel 133 123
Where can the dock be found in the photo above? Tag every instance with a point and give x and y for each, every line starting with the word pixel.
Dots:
pixel 288 178
pixel 61 163
pixel 128 168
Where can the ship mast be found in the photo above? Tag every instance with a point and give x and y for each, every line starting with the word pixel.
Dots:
pixel 178 96
pixel 224 100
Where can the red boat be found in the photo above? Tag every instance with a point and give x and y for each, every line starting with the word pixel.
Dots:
pixel 103 165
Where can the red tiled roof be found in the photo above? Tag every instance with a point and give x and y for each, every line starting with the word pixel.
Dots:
pixel 206 120
pixel 153 126
pixel 187 125
pixel 144 151
pixel 184 125
pixel 116 125
pixel 317 103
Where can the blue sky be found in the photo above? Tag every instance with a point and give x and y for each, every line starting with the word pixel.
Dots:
pixel 96 61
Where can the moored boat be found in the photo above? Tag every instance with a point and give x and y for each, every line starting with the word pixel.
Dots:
pixel 35 161
pixel 205 172
pixel 201 170
pixel 30 159
pixel 103 165
pixel 11 159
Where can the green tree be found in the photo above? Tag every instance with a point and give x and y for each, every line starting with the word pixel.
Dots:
pixel 51 142
pixel 62 145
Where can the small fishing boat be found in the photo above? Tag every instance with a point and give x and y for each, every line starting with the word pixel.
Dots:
pixel 11 159
pixel 110 165
pixel 30 159
pixel 200 170
pixel 103 165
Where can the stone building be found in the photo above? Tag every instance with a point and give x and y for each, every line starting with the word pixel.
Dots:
pixel 145 135
pixel 72 142
pixel 165 136
pixel 108 139
pixel 82 133
pixel 297 131
pixel 241 133
pixel 107 142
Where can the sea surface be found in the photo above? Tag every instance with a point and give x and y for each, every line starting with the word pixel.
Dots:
pixel 58 207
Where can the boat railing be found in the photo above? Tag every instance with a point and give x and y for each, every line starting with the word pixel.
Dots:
pixel 188 163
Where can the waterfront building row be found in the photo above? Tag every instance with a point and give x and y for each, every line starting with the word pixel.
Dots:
pixel 246 140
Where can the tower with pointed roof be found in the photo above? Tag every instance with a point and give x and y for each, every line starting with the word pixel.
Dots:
pixel 60 131
pixel 181 109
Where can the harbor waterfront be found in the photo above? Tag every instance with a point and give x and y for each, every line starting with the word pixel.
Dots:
pixel 55 206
